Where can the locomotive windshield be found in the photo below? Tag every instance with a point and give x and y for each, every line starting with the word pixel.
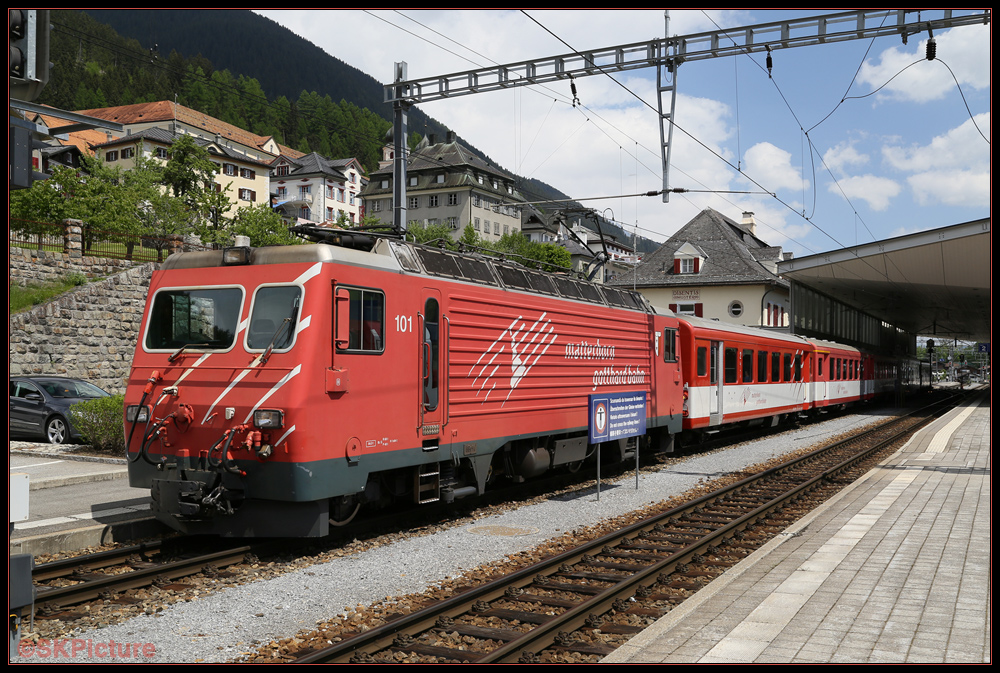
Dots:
pixel 274 316
pixel 202 318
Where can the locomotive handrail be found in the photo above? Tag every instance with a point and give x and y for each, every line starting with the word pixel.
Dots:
pixel 446 374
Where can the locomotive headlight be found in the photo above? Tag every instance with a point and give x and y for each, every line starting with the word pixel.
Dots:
pixel 235 256
pixel 268 418
pixel 135 413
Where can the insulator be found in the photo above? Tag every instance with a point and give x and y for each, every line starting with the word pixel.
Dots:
pixel 931 49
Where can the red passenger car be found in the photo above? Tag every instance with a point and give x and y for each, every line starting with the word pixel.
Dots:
pixel 739 374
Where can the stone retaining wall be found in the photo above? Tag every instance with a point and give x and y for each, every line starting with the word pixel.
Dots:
pixel 89 333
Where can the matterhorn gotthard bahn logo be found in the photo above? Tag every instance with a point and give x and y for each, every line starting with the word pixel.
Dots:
pixel 508 360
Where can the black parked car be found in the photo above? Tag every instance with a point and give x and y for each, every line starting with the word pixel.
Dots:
pixel 39 405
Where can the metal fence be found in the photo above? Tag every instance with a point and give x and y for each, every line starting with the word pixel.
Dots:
pixel 92 242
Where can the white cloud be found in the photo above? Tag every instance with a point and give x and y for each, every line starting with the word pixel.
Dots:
pixel 962 49
pixel 956 148
pixel 844 155
pixel 952 187
pixel 953 169
pixel 771 168
pixel 876 191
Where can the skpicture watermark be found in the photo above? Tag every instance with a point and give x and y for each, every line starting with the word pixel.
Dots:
pixel 84 648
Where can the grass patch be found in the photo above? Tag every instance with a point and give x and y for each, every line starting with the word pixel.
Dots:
pixel 24 297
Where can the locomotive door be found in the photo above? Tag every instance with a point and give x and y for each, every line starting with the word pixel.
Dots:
pixel 432 385
pixel 715 384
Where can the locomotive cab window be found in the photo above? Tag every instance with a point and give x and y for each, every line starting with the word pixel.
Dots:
pixel 201 319
pixel 360 322
pixel 669 345
pixel 274 317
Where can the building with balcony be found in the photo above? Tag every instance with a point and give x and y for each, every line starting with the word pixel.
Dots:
pixel 448 184
pixel 313 189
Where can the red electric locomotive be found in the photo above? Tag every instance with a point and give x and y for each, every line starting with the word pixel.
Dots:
pixel 277 390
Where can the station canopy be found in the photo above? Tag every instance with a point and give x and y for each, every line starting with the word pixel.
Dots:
pixel 934 283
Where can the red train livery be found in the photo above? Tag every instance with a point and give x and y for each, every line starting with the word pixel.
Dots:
pixel 275 391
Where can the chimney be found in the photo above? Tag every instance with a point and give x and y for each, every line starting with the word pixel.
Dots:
pixel 451 137
pixel 749 222
pixel 431 139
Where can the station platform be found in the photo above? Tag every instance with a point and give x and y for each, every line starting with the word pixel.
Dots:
pixel 894 569
pixel 75 501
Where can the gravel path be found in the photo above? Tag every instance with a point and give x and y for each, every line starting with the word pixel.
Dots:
pixel 221 626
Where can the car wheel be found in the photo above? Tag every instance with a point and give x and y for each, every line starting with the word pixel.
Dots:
pixel 56 431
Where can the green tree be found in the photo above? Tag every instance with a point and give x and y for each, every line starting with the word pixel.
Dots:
pixel 263 226
pixel 189 171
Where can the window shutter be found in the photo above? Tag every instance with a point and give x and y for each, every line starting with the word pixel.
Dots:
pixel 677 266
pixel 673 307
pixel 697 264
pixel 698 310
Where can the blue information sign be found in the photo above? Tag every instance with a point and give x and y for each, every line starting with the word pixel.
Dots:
pixel 617 415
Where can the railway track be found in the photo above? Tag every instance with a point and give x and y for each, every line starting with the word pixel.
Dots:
pixel 580 605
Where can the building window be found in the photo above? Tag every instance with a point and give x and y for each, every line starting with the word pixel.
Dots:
pixel 377 206
pixel 453 199
pixel 111 155
pixel 736 309
pixel 282 192
pixel 432 201
pixel 128 153
pixel 329 192
pixel 687 266
pixel 248 195
pixel 304 191
pixel 477 201
pixel 281 170
pixel 304 213
pixel 247 174
pixel 413 202
pixel 439 178
pixel 413 181
pixel 496 228
pixel 384 184
pixel 352 198
pixel 162 153
pixel 475 224
pixel 229 169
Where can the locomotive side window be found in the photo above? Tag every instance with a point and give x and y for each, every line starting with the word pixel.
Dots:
pixel 366 311
pixel 761 366
pixel 702 361
pixel 669 345
pixel 274 317
pixel 747 365
pixel 776 367
pixel 786 372
pixel 798 367
pixel 730 365
pixel 203 318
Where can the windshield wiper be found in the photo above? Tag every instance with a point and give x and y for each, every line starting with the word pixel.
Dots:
pixel 183 348
pixel 270 347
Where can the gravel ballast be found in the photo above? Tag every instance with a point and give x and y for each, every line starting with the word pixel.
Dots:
pixel 228 624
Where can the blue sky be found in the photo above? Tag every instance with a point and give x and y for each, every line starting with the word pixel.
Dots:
pixel 894 146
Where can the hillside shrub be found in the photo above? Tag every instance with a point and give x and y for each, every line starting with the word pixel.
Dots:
pixel 100 423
